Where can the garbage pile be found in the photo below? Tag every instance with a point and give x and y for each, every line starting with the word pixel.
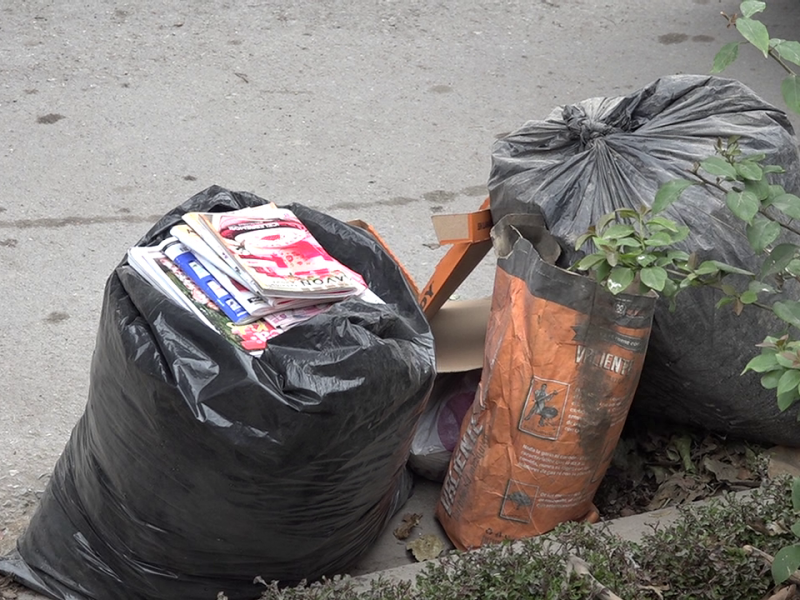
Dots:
pixel 263 375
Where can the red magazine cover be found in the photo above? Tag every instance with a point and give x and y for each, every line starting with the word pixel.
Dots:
pixel 276 252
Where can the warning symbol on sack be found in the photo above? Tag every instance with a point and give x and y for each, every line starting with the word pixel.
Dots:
pixel 518 501
pixel 543 412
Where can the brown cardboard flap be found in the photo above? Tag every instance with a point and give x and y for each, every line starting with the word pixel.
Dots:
pixel 459 331
pixel 462 228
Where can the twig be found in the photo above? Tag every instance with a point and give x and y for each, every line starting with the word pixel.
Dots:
pixel 581 568
pixel 748 549
pixel 779 60
pixel 771 52
pixel 707 181
pixel 762 306
pixel 784 225
pixel 761 211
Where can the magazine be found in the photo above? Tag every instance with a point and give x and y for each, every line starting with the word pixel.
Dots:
pixel 250 274
pixel 256 305
pixel 289 318
pixel 164 275
pixel 188 263
pixel 254 336
pixel 187 236
pixel 156 269
pixel 274 254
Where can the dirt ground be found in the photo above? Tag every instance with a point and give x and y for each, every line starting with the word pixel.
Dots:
pixel 651 469
pixel 17 511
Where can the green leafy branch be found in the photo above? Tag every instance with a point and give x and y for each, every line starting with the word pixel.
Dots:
pixel 779 362
pixel 766 210
pixel 633 252
pixel 787 559
pixel 783 52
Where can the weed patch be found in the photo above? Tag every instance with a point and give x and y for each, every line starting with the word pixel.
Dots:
pixel 701 556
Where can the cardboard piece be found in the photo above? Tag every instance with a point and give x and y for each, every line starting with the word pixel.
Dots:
pixel 464 228
pixel 459 329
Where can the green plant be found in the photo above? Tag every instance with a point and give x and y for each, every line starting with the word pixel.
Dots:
pixel 779 361
pixel 787 558
pixel 766 211
pixel 531 569
pixel 756 33
pixel 633 251
pixel 702 555
pixel 637 250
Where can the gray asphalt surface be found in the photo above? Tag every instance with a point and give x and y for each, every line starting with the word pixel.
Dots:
pixel 112 113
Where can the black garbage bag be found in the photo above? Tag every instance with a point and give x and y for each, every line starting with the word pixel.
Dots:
pixel 197 468
pixel 601 154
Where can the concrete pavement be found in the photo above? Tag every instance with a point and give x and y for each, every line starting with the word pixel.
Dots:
pixel 114 112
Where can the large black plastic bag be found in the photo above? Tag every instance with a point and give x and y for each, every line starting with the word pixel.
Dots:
pixel 588 159
pixel 197 468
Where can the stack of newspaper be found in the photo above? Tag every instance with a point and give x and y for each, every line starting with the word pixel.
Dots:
pixel 251 274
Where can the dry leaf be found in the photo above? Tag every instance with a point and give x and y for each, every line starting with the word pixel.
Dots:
pixel 662 497
pixel 758 525
pixel 786 593
pixel 775 528
pixel 410 520
pixel 665 458
pixel 657 589
pixel 661 474
pixel 679 488
pixel 7 593
pixel 722 471
pixel 426 547
pixel 709 444
pixel 683 444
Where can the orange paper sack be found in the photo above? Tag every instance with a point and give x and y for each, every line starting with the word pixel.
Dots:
pixel 562 360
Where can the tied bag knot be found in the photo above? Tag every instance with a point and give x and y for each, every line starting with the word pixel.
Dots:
pixel 585 128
